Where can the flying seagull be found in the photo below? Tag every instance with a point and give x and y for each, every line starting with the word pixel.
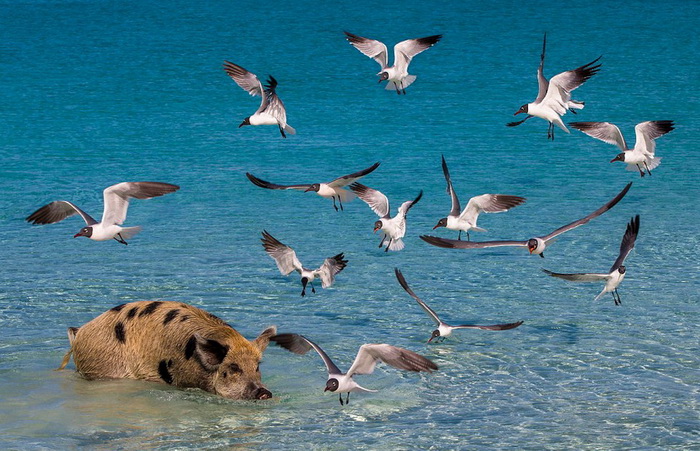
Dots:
pixel 617 272
pixel 366 360
pixel 465 220
pixel 271 110
pixel 116 202
pixel 393 229
pixel 397 76
pixel 287 261
pixel 535 245
pixel 640 158
pixel 444 329
pixel 554 96
pixel 331 190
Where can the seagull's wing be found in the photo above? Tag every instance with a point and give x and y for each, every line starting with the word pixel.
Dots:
pixel 542 82
pixel 246 80
pixel 456 209
pixel 369 47
pixel 299 344
pixel 58 211
pixel 330 267
pixel 403 209
pixel 377 201
pixel 403 359
pixel 585 219
pixel 351 178
pixel 572 79
pixel 284 256
pixel 272 104
pixel 604 131
pixel 459 244
pixel 263 184
pixel 425 307
pixel 404 51
pixel 491 327
pixel 116 197
pixel 627 243
pixel 579 277
pixel 489 203
pixel 647 132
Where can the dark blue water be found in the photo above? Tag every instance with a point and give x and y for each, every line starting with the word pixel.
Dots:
pixel 95 93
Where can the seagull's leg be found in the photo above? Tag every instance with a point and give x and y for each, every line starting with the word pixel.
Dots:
pixel 334 206
pixel 303 292
pixel 640 171
pixel 459 237
pixel 618 301
pixel 282 131
pixel 381 243
pixel 340 398
pixel 119 238
pixel 647 166
pixel 468 237
pixel 388 244
pixel 313 290
pixel 341 204
pixel 573 111
pixel 542 255
pixel 347 399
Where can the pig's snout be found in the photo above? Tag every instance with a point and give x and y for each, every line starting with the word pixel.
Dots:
pixel 263 393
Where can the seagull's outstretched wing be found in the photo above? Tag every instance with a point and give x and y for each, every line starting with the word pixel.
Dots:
pixel 459 244
pixel 299 344
pixel 58 211
pixel 647 132
pixel 579 277
pixel 404 51
pixel 263 184
pixel 489 203
pixel 627 244
pixel 369 47
pixel 377 201
pixel 542 82
pixel 587 218
pixel 403 359
pixel 456 209
pixel 423 305
pixel 351 178
pixel 604 131
pixel 572 79
pixel 491 327
pixel 330 267
pixel 403 209
pixel 116 197
pixel 246 80
pixel 284 256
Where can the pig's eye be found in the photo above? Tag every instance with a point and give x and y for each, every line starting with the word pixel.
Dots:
pixel 235 368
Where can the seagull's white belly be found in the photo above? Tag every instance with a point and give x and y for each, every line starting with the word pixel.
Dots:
pixel 262 119
pixel 326 191
pixel 103 233
pixel 395 228
pixel 614 281
pixel 454 223
pixel 634 157
pixel 444 330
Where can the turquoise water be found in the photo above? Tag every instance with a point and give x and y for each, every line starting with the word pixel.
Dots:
pixel 97 93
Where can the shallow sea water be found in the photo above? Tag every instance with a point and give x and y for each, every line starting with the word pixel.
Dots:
pixel 101 92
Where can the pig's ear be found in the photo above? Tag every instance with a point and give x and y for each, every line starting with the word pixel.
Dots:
pixel 264 338
pixel 210 353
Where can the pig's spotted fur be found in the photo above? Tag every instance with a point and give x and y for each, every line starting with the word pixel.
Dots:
pixel 143 340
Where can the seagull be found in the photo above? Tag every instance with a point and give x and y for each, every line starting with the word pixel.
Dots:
pixel 271 110
pixel 444 329
pixel 617 272
pixel 116 200
pixel 367 358
pixel 331 190
pixel 396 75
pixel 535 245
pixel 644 146
pixel 394 228
pixel 287 261
pixel 554 96
pixel 465 220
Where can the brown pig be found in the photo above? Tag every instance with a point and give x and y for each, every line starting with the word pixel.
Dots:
pixel 170 342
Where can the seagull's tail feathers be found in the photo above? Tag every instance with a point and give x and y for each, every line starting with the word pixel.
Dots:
pixel 575 104
pixel 396 244
pixel 289 129
pixel 406 82
pixel 479 229
pixel 652 163
pixel 129 232
pixel 359 388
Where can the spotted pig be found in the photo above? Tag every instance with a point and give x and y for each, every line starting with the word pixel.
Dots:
pixel 172 343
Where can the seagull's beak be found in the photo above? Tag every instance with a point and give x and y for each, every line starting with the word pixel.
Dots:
pixel 77 235
pixel 376 228
pixel 431 339
pixel 436 226
pixel 517 112
pixel 325 389
pixel 307 190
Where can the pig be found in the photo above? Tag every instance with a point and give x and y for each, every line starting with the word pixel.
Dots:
pixel 172 343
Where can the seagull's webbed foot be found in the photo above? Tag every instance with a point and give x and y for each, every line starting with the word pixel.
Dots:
pixel 303 292
pixel 641 172
pixel 120 239
pixel 282 132
pixel 387 246
pixel 347 399
pixel 340 398
pixel 616 297
pixel 647 167
pixel 542 255
pixel 550 131
pixel 313 290
pixel 459 237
